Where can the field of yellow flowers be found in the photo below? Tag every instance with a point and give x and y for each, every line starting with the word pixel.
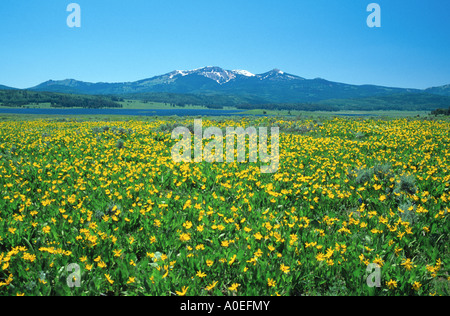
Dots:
pixel 107 198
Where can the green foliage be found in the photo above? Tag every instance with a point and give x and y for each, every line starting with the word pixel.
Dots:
pixel 212 101
pixel 407 184
pixel 408 212
pixel 244 101
pixel 120 144
pixel 441 112
pixel 363 175
pixel 19 98
pixel 401 102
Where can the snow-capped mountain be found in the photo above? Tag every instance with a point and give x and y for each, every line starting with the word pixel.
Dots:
pixel 273 86
pixel 222 76
pixel 217 74
pixel 277 74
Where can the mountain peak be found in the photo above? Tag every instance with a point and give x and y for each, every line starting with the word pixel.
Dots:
pixel 64 82
pixel 215 73
pixel 278 75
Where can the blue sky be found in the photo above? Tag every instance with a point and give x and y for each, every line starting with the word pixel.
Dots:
pixel 132 40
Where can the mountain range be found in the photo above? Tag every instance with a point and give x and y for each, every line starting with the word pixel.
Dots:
pixel 274 86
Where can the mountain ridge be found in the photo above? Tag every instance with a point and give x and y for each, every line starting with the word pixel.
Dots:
pixel 272 86
pixel 2 87
pixel 440 90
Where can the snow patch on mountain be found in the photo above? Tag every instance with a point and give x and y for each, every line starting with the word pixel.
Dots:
pixel 244 73
pixel 177 73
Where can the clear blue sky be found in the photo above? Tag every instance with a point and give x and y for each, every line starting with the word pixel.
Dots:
pixel 132 40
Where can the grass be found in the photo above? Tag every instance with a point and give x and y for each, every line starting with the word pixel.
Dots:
pixel 78 118
pixel 338 113
pixel 127 104
pixel 140 105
